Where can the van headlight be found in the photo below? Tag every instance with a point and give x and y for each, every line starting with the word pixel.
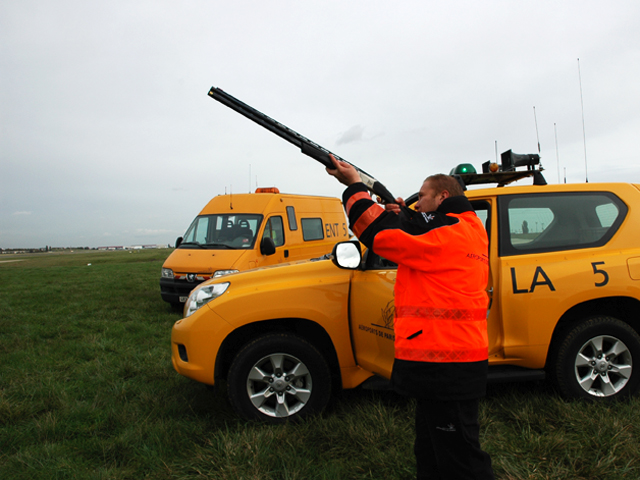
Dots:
pixel 219 273
pixel 167 273
pixel 202 295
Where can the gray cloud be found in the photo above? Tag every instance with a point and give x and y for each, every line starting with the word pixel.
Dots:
pixel 354 134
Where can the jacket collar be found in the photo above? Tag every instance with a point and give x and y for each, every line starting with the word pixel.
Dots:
pixel 457 204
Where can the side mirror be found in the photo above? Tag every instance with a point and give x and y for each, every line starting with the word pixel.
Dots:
pixel 178 241
pixel 347 255
pixel 267 247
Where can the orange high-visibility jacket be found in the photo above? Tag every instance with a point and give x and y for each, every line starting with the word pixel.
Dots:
pixel 443 268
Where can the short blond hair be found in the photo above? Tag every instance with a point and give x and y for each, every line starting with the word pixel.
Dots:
pixel 440 182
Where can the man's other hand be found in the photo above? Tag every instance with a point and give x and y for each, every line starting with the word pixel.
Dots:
pixel 394 207
pixel 344 172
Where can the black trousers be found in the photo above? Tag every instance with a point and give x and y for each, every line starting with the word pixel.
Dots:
pixel 447 441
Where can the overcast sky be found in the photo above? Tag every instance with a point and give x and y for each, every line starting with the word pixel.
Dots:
pixel 108 137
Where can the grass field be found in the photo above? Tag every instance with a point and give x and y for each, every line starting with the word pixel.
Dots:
pixel 87 391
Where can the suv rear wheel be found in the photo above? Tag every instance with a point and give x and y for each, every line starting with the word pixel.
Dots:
pixel 278 377
pixel 596 359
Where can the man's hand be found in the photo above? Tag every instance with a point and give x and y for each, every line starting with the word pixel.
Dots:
pixel 344 172
pixel 394 207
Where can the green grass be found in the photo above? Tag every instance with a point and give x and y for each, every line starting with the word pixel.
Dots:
pixel 87 391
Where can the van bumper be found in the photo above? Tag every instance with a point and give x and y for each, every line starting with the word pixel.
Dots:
pixel 176 291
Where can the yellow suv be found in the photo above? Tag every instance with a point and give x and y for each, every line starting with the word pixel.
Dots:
pixel 564 289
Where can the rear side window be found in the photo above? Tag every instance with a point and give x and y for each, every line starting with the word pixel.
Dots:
pixel 291 216
pixel 556 222
pixel 274 230
pixel 312 229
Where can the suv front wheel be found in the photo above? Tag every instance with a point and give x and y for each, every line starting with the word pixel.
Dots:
pixel 596 359
pixel 278 377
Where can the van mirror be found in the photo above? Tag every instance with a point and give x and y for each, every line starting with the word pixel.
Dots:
pixel 347 255
pixel 178 241
pixel 267 247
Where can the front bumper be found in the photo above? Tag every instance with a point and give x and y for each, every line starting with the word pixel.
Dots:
pixel 176 291
pixel 195 343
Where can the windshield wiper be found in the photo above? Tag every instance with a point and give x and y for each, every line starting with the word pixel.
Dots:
pixel 192 243
pixel 214 245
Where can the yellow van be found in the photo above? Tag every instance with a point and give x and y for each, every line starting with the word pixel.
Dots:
pixel 238 232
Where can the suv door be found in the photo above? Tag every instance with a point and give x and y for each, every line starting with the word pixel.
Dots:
pixel 549 261
pixel 485 209
pixel 371 311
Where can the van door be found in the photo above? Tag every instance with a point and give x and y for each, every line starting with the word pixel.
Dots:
pixel 274 229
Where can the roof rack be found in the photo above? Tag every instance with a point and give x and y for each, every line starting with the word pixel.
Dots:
pixel 502 174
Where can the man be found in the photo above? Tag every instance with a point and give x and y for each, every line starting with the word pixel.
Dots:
pixel 441 344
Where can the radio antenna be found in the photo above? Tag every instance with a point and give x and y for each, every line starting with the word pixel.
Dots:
pixel 536 121
pixel 584 135
pixel 555 131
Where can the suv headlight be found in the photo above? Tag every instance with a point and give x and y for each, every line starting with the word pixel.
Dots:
pixel 203 295
pixel 219 273
pixel 167 273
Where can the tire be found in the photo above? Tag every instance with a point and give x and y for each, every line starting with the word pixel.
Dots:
pixel 599 358
pixel 277 378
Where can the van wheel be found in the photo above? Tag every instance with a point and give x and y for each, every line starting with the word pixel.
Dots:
pixel 278 377
pixel 596 360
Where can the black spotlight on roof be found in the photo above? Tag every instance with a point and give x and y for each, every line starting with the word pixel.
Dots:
pixel 512 160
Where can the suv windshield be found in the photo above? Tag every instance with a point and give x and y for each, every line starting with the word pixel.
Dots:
pixel 227 231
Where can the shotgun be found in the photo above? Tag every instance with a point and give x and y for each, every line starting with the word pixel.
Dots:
pixel 307 146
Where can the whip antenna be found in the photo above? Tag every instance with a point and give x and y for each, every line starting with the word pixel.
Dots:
pixel 584 135
pixel 536 121
pixel 555 131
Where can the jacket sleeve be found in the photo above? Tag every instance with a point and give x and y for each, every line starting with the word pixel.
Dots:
pixel 367 218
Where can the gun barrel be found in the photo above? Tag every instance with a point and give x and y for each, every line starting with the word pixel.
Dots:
pixel 307 146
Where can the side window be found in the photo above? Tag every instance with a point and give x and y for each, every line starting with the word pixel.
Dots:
pixel 607 214
pixel 483 209
pixel 312 229
pixel 274 230
pixel 527 224
pixel 291 216
pixel 556 222
pixel 198 230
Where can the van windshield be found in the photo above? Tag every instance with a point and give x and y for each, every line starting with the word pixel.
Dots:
pixel 227 231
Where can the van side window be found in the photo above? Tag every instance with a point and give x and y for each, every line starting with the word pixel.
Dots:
pixel 291 216
pixel 198 232
pixel 274 229
pixel 556 222
pixel 312 229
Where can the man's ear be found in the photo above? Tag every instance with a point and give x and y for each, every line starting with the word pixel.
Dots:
pixel 445 194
